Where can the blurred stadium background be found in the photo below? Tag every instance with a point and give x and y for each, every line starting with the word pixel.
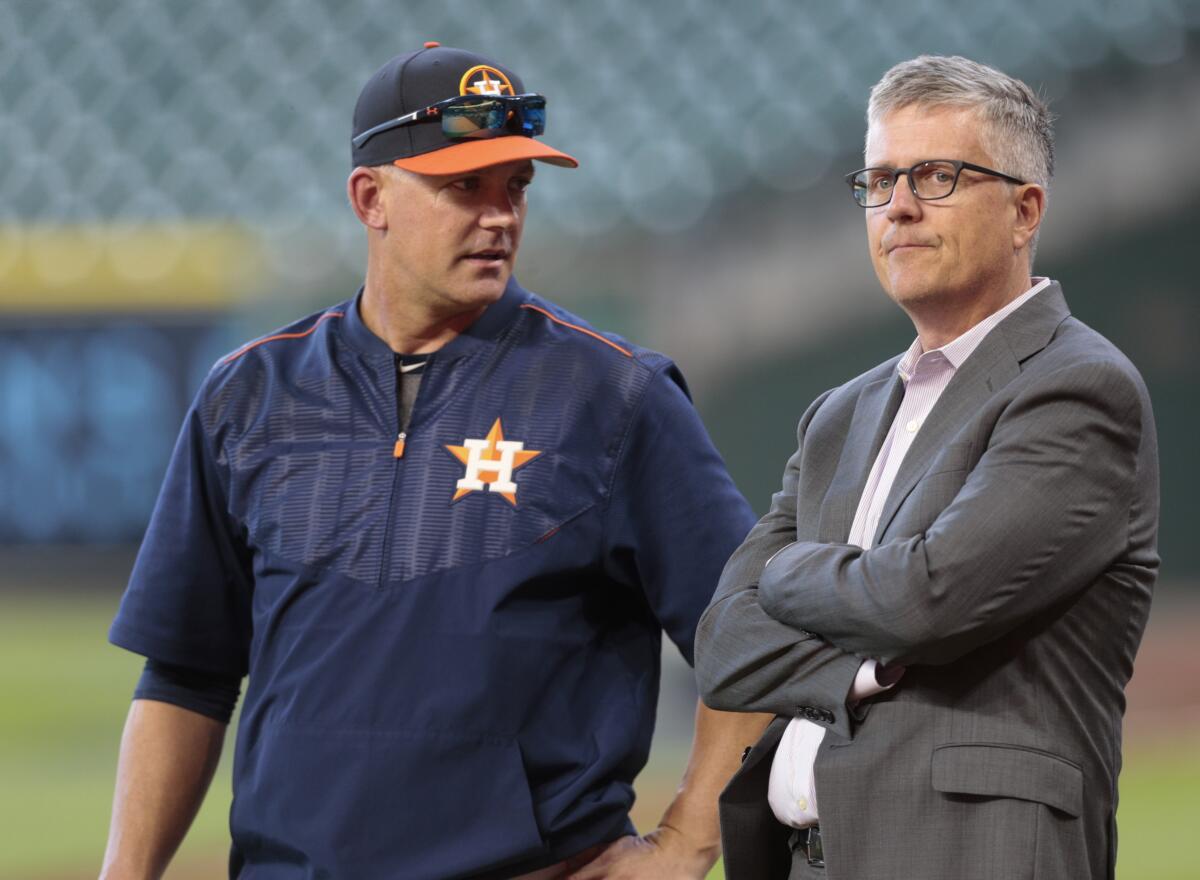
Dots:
pixel 173 183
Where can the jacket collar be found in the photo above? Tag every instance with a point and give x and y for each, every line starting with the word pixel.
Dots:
pixel 994 363
pixel 482 333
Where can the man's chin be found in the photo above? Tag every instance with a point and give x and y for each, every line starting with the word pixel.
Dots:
pixel 491 289
pixel 486 275
pixel 912 292
pixel 480 292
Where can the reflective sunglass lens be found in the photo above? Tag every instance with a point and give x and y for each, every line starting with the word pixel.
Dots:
pixel 489 117
pixel 533 121
pixel 472 119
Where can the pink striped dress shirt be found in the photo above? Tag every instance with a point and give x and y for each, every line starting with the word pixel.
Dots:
pixel 792 789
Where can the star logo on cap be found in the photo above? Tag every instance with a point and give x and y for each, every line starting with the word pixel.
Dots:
pixel 490 463
pixel 484 80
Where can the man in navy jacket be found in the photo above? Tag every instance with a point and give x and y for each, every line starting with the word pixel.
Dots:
pixel 441 527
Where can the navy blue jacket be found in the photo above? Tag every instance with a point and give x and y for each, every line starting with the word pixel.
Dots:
pixel 446 679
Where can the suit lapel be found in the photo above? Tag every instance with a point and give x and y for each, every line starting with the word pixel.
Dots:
pixel 995 363
pixel 873 413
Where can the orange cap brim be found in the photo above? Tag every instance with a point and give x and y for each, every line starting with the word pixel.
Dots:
pixel 483 153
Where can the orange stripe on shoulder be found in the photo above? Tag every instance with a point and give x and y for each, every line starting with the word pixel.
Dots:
pixel 583 330
pixel 256 343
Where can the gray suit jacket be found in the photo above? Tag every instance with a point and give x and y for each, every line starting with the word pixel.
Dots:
pixel 1011 574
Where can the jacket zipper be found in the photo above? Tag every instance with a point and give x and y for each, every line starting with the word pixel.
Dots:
pixel 397 454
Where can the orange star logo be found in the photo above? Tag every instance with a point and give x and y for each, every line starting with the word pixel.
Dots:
pixel 490 463
pixel 484 80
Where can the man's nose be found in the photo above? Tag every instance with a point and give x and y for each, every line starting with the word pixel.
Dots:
pixel 500 210
pixel 904 204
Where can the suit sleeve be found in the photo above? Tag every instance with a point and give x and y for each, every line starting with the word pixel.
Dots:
pixel 747 661
pixel 188 599
pixel 1043 513
pixel 675 514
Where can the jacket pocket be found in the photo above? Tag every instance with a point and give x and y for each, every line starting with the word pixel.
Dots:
pixel 995 770
pixel 383 802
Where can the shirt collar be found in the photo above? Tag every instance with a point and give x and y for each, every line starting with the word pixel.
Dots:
pixel 958 350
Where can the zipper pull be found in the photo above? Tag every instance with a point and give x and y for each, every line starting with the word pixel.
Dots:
pixel 398 449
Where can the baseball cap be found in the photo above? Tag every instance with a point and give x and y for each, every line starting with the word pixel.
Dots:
pixel 412 82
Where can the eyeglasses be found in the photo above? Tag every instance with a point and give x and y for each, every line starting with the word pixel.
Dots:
pixel 474 116
pixel 929 180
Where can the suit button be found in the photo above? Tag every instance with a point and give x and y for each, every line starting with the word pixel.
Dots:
pixel 827 716
pixel 746 753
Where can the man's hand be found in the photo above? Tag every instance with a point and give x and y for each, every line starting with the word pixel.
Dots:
pixel 663 854
pixel 687 841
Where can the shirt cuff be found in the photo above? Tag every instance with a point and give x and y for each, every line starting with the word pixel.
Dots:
pixel 872 679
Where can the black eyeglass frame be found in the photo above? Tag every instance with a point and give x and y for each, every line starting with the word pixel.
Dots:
pixel 958 164
pixel 435 111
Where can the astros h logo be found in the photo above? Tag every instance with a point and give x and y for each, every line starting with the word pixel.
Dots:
pixel 490 463
pixel 484 80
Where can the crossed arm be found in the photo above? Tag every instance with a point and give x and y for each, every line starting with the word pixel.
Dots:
pixel 749 661
pixel 1042 514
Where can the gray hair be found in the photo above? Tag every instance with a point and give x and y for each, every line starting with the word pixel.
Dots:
pixel 1017 130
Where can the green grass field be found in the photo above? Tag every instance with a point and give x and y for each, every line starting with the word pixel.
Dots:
pixel 64 693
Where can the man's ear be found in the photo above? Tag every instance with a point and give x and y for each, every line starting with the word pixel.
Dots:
pixel 1031 206
pixel 364 188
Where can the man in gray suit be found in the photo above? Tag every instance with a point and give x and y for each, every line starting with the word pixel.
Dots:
pixel 944 602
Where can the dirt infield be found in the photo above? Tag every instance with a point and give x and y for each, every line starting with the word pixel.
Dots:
pixel 1164 694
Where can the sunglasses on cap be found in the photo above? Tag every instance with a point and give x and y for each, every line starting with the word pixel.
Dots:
pixel 474 116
